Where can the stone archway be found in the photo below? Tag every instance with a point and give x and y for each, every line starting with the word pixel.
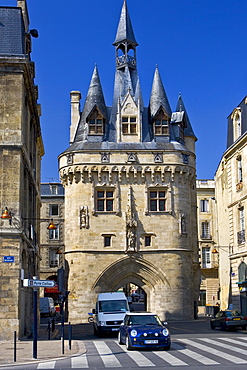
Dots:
pixel 135 270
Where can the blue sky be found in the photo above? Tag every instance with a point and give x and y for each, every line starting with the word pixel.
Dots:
pixel 199 47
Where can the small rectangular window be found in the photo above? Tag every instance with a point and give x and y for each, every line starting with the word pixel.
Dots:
pixel 204 205
pixel 53 209
pixel 53 189
pixel 107 241
pixel 54 234
pixel 147 240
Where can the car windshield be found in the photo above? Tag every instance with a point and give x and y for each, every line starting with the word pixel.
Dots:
pixel 111 306
pixel 233 313
pixel 144 320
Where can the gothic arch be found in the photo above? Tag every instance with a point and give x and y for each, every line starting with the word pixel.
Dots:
pixel 129 269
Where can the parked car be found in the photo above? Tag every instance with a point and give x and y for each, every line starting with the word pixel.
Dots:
pixel 46 306
pixel 228 319
pixel 143 330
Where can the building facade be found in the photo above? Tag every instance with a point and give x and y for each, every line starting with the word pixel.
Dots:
pixel 231 194
pixel 130 193
pixel 51 241
pixel 208 241
pixel 21 149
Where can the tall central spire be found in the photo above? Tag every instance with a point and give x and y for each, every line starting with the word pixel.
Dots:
pixel 125 31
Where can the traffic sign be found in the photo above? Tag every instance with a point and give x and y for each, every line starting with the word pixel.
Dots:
pixel 38 283
pixel 8 259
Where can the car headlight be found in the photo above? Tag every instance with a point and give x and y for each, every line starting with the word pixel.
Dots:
pixel 133 333
pixel 102 323
pixel 165 332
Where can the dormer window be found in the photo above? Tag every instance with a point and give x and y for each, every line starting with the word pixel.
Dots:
pixel 161 124
pixel 237 123
pixel 96 123
pixel 129 125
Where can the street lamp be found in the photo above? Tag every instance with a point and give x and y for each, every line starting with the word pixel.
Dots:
pixel 7 215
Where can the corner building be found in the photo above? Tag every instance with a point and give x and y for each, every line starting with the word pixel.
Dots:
pixel 130 193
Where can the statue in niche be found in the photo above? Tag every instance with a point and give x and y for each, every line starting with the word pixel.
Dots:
pixel 183 224
pixel 84 218
pixel 131 225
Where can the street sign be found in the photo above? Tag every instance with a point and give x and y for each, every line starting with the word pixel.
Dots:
pixel 8 259
pixel 38 283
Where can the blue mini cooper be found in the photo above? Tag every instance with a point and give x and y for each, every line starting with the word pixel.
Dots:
pixel 143 330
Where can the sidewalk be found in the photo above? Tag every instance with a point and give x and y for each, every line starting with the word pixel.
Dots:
pixel 46 349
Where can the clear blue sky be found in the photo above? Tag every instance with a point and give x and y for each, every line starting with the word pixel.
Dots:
pixel 199 45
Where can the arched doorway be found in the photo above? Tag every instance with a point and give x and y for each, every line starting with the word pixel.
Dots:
pixel 133 271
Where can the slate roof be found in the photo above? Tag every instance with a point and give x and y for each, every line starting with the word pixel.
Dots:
pixel 125 30
pixel 12 33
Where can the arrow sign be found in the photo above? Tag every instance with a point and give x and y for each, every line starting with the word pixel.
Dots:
pixel 38 283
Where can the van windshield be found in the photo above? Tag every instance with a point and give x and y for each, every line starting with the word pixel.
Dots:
pixel 112 306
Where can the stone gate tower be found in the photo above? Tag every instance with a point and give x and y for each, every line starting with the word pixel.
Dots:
pixel 130 193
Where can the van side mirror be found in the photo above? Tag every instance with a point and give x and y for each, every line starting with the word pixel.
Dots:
pixel 93 311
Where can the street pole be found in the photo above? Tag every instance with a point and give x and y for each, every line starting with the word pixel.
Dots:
pixel 35 320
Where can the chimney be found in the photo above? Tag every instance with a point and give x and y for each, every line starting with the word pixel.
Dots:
pixel 75 97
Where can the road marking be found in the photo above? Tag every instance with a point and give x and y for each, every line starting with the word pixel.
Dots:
pixel 106 355
pixel 214 351
pixel 196 356
pixel 172 360
pixel 235 341
pixel 224 345
pixel 137 357
pixel 46 365
pixel 79 362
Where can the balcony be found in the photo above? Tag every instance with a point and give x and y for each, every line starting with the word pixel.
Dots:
pixel 54 263
pixel 241 236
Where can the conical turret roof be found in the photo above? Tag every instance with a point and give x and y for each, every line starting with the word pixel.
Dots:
pixel 181 108
pixel 94 98
pixel 125 30
pixel 158 96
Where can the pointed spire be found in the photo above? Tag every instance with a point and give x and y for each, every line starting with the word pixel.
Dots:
pixel 125 30
pixel 188 131
pixel 138 94
pixel 158 96
pixel 94 98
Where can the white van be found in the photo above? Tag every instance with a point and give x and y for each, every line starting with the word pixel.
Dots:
pixel 109 312
pixel 46 306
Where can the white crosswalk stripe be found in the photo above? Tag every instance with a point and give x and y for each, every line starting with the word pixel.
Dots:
pixel 106 355
pixel 224 345
pixel 196 356
pixel 79 362
pixel 47 365
pixel 172 360
pixel 138 357
pixel 225 355
pixel 109 356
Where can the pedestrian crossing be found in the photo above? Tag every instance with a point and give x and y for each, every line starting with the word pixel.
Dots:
pixel 184 352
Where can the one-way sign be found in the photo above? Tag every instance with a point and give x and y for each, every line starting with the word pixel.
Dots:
pixel 38 283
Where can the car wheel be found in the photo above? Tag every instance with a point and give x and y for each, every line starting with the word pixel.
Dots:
pixel 128 345
pixel 222 326
pixel 212 325
pixel 244 327
pixel 119 338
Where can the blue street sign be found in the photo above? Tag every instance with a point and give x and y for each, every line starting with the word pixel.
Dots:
pixel 9 259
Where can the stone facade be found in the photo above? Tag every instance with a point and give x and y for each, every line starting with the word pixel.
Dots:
pixel 130 194
pixel 51 241
pixel 21 149
pixel 208 242
pixel 231 192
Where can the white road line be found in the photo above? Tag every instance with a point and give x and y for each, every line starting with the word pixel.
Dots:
pixel 243 338
pixel 224 345
pixel 137 357
pixel 233 341
pixel 106 355
pixel 196 356
pixel 172 360
pixel 47 365
pixel 79 362
pixel 213 351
